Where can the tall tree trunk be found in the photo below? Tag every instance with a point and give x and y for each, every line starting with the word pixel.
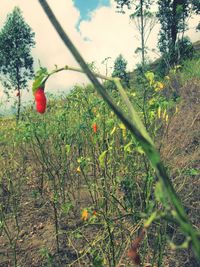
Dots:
pixel 19 96
pixel 142 31
pixel 174 28
pixel 18 105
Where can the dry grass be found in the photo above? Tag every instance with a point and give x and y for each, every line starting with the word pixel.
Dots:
pixel 181 151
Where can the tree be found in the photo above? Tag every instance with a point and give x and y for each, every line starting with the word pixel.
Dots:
pixel 196 6
pixel 120 65
pixel 16 62
pixel 173 16
pixel 143 18
pixel 145 21
pixel 196 9
pixel 123 3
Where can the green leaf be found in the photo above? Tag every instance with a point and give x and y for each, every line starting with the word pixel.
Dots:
pixel 78 235
pixel 149 221
pixel 1 224
pixel 102 158
pixel 40 79
pixel 139 150
pixel 67 148
pixel 127 148
pixel 66 207
pixel 150 77
pixel 113 130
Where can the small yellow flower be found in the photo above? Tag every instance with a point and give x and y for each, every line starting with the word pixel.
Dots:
pixel 78 169
pixel 84 215
pixel 133 94
pixel 158 86
pixel 161 85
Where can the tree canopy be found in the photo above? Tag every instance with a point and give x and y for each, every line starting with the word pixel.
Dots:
pixel 16 41
pixel 16 61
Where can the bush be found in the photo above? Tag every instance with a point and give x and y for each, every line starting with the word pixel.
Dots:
pixel 184 49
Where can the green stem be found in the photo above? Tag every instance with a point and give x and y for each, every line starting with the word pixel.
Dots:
pixel 134 116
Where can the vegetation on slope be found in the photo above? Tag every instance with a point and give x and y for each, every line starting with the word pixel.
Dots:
pixel 81 188
pixel 78 195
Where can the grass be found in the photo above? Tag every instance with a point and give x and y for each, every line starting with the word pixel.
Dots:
pixel 191 69
pixel 72 196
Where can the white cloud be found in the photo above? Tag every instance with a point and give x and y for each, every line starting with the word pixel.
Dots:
pixel 107 34
pixel 49 49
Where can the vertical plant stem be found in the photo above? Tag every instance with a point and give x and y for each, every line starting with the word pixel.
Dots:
pixel 142 31
pixel 56 224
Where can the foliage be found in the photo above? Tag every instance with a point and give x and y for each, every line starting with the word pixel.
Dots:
pixel 144 21
pixel 184 49
pixel 173 19
pixel 101 179
pixel 190 69
pixel 196 6
pixel 102 164
pixel 122 3
pixel 96 176
pixel 16 40
pixel 120 71
pixel 16 62
pixel 134 124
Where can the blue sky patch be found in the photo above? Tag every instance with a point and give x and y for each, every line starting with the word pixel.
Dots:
pixel 87 6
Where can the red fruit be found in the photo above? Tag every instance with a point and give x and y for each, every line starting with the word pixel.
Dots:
pixel 40 108
pixel 39 94
pixel 40 99
pixel 94 128
pixel 18 93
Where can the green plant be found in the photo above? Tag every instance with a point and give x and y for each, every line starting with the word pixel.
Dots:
pixel 44 252
pixel 134 124
pixel 16 62
pixel 120 70
pixel 184 49
pixel 190 69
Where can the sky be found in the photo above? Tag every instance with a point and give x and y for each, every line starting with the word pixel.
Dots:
pixel 95 28
pixel 86 7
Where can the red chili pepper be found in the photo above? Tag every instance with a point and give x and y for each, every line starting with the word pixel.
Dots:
pixel 40 99
pixel 40 108
pixel 94 128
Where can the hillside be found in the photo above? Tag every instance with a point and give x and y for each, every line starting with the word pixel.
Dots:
pixel 76 187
